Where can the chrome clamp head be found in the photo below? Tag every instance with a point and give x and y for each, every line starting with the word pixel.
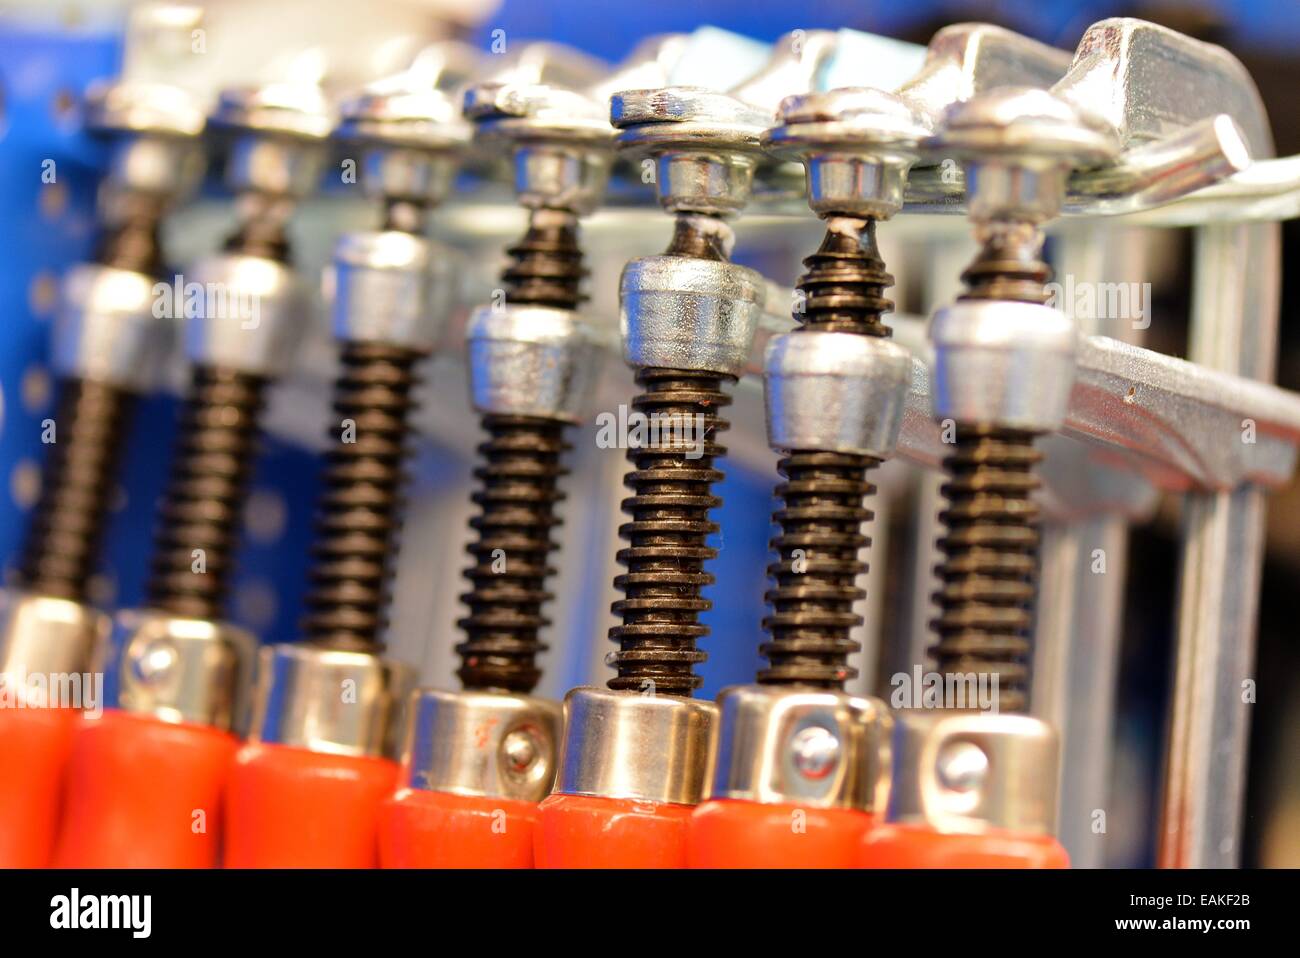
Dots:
pixel 251 313
pixel 681 312
pixel 1010 363
pixel 411 127
pixel 154 130
pixel 531 361
pixel 840 392
pixel 183 670
pixel 706 145
pixel 112 327
pixel 649 748
pixel 809 747
pixel 481 743
pixel 1019 145
pixel 279 133
pixel 857 146
pixel 322 700
pixel 970 772
pixel 391 287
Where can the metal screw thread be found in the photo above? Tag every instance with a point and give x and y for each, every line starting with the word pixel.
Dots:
pixel 62 543
pixel 990 561
pixel 356 529
pixel 546 264
pixel 990 566
pixel 671 482
pixel 822 500
pixel 518 488
pixel 199 517
pixel 517 494
pixel 131 241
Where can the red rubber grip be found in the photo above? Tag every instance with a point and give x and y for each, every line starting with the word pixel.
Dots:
pixel 739 834
pixel 424 829
pixel 579 831
pixel 916 846
pixel 290 807
pixel 35 745
pixel 143 793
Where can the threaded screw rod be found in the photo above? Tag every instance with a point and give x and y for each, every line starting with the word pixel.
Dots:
pixel 61 546
pixel 359 516
pixel 822 509
pixel 990 567
pixel 201 507
pixel 517 488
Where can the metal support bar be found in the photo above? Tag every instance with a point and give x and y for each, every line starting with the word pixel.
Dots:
pixel 1234 329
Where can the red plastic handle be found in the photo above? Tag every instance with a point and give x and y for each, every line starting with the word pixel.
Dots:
pixel 739 834
pixel 293 808
pixel 35 745
pixel 423 829
pixel 579 831
pixel 916 846
pixel 143 793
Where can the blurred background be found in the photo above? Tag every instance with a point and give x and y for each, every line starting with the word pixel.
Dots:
pixel 50 52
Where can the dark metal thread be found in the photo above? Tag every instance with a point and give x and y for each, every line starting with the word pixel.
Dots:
pixel 61 545
pixel 356 530
pixel 62 542
pixel 517 494
pixel 666 554
pixel 518 489
pixel 199 517
pixel 990 567
pixel 822 512
pixel 546 265
pixel 990 560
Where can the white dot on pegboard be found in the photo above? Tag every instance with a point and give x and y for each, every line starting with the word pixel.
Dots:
pixel 35 388
pixel 102 588
pixel 43 294
pixel 256 603
pixel 265 514
pixel 25 483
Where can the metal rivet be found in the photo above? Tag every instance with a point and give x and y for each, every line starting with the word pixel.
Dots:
pixel 962 766
pixel 155 661
pixel 521 750
pixel 816 752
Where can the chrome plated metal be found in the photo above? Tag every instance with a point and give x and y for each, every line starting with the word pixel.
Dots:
pixel 54 639
pixel 645 747
pixel 481 743
pixel 322 700
pixel 183 670
pixel 814 748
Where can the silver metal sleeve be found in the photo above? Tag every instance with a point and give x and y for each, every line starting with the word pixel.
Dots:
pixel 481 743
pixel 651 748
pixel 114 326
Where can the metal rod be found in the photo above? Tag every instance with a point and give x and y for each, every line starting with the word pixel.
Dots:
pixel 1234 329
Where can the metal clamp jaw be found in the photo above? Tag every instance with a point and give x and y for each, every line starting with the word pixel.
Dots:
pixel 1187 114
pixel 815 748
pixel 969 772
